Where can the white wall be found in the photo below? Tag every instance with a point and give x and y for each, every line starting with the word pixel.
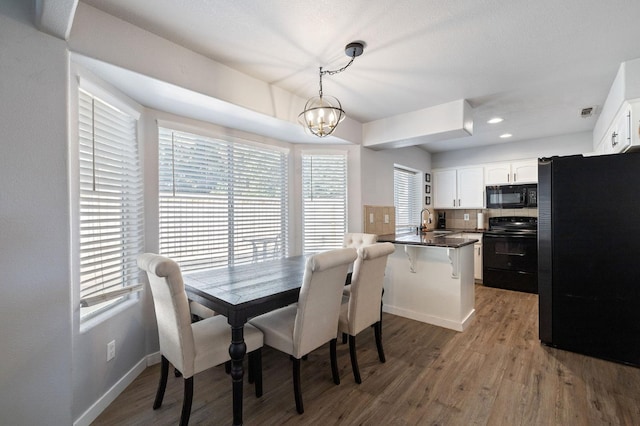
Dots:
pixel 35 298
pixel 377 172
pixel 570 144
pixel 51 373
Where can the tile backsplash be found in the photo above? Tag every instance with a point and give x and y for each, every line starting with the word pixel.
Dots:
pixel 455 218
pixel 379 225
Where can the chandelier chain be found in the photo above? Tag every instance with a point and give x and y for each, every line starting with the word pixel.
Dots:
pixel 333 72
pixel 321 116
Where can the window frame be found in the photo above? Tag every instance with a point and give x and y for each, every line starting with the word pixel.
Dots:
pixel 335 240
pixel 238 149
pixel 414 203
pixel 81 79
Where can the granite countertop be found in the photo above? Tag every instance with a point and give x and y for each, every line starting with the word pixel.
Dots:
pixel 428 239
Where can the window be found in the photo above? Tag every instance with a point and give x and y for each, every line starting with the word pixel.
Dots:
pixel 221 202
pixel 324 198
pixel 406 198
pixel 110 204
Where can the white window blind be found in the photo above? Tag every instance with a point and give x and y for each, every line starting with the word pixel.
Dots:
pixel 324 193
pixel 111 204
pixel 406 198
pixel 221 203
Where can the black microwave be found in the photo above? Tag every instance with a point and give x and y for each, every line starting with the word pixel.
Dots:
pixel 512 196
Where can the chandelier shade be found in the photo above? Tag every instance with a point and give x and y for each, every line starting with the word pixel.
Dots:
pixel 322 114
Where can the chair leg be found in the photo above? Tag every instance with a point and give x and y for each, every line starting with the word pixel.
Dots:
pixel 176 372
pixel 334 361
pixel 354 359
pixel 344 338
pixel 255 370
pixel 378 333
pixel 347 280
pixel 296 386
pixel 186 403
pixel 162 385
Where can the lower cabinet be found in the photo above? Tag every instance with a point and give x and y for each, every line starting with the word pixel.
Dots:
pixel 477 262
pixel 477 254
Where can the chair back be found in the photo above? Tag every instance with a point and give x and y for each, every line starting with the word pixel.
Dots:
pixel 358 239
pixel 366 286
pixel 320 298
pixel 172 311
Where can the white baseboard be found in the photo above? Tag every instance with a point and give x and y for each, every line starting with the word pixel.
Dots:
pixel 105 400
pixel 431 319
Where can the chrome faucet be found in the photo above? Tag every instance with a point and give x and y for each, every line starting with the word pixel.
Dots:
pixel 428 217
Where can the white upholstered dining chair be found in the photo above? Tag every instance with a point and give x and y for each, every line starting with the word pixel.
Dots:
pixel 190 347
pixel 361 308
pixel 200 311
pixel 304 326
pixel 356 240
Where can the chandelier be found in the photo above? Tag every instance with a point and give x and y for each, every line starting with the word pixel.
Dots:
pixel 323 113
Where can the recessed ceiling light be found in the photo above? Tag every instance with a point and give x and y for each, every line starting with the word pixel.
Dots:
pixel 495 120
pixel 506 135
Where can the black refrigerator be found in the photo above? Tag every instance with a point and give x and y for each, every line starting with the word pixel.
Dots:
pixel 589 255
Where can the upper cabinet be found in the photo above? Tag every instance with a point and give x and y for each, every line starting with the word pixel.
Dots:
pixel 461 188
pixel 620 136
pixel 515 172
pixel 617 126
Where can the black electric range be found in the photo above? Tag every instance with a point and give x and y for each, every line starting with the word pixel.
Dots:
pixel 510 253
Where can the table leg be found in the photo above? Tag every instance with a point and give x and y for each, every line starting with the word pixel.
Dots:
pixel 237 351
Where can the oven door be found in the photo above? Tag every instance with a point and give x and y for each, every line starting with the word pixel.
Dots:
pixel 506 197
pixel 510 261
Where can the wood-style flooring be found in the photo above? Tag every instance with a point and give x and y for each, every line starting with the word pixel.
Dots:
pixel 494 373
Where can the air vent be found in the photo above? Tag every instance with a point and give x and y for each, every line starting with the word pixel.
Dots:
pixel 587 112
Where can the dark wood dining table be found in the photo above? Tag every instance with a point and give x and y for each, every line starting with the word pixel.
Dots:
pixel 242 292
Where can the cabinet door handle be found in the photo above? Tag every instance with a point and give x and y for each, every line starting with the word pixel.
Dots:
pixel 514 178
pixel 614 139
pixel 508 177
pixel 459 203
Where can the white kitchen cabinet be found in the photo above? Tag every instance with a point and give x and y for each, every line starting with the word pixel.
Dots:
pixel 445 192
pixel 471 188
pixel 515 172
pixel 477 254
pixel 461 188
pixel 497 173
pixel 618 137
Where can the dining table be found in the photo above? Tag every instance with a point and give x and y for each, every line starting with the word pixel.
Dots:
pixel 241 292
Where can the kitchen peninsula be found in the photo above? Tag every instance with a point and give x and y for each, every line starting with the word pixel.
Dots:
pixel 429 278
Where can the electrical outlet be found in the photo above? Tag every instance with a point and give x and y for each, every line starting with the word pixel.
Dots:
pixel 466 216
pixel 111 350
pixel 370 217
pixel 386 218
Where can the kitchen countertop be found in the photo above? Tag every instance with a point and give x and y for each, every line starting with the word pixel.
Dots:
pixel 428 239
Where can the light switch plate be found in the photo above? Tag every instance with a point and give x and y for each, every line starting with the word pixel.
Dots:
pixel 370 217
pixel 386 218
pixel 111 350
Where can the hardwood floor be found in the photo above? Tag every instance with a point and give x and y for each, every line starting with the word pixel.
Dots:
pixel 494 373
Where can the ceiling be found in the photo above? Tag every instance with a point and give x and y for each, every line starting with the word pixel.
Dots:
pixel 534 63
